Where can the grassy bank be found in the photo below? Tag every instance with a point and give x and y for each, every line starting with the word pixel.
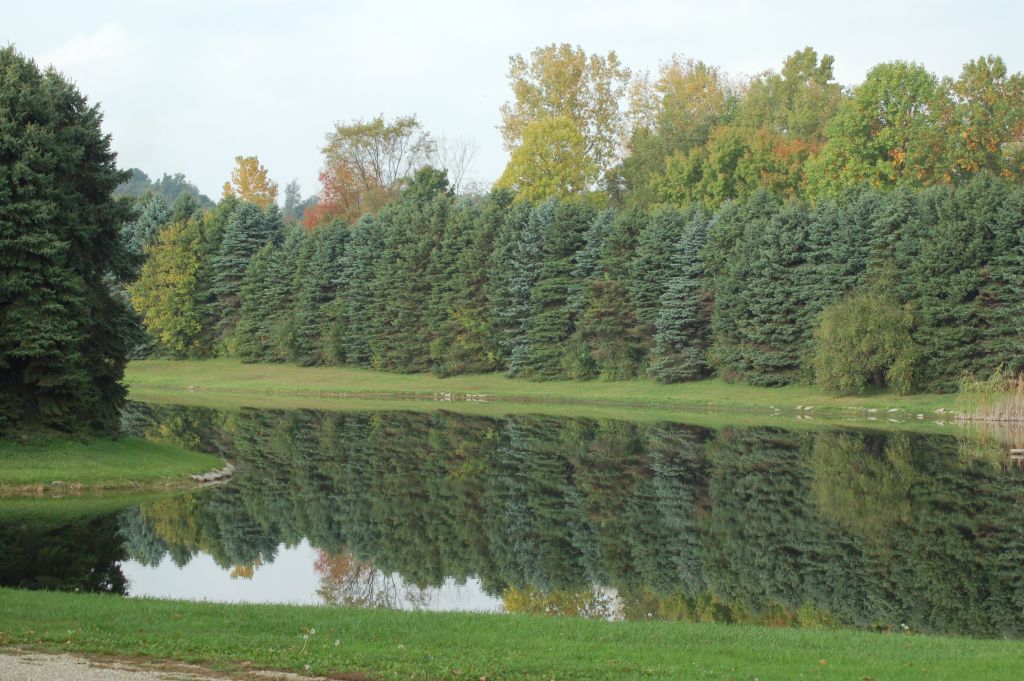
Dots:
pixel 127 463
pixel 228 376
pixel 396 645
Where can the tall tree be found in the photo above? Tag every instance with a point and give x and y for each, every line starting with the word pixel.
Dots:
pixel 984 121
pixel 62 356
pixel 562 81
pixel 292 201
pixel 316 283
pixel 514 265
pixel 672 117
pixel 414 226
pixel 249 182
pixel 684 318
pixel 550 163
pixel 167 293
pixel 366 164
pixel 246 231
pixel 885 134
pixel 551 320
pixel 758 252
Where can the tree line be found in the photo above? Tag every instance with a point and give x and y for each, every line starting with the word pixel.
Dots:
pixel 771 231
pixel 904 288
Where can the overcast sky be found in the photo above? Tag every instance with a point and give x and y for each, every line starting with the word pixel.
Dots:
pixel 186 85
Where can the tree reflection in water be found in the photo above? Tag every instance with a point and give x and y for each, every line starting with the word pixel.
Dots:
pixel 347 580
pixel 808 528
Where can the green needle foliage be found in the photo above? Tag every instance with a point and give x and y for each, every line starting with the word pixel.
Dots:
pixel 62 354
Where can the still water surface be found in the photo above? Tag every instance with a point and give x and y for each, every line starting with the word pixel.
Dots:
pixel 577 516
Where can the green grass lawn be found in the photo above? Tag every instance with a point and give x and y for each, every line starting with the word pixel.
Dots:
pixel 148 376
pixel 384 644
pixel 97 464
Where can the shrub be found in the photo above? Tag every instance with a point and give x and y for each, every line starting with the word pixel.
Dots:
pixel 863 341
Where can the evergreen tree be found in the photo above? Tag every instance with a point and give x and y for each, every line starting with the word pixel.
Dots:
pixel 468 342
pixel 551 321
pixel 62 355
pixel 684 319
pixel 315 285
pixel 961 256
pixel 514 265
pixel 649 267
pixel 412 227
pixel 246 231
pixel 139 234
pixel 443 274
pixel 352 318
pixel 259 313
pixel 761 323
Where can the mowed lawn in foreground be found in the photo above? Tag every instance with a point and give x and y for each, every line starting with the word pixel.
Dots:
pixel 98 464
pixel 382 644
pixel 230 375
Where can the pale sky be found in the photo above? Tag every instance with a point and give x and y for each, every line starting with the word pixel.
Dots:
pixel 186 85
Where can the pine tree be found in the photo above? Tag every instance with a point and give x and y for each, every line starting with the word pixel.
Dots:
pixel 352 318
pixel 684 317
pixel 761 324
pixel 139 234
pixel 253 333
pixel 551 321
pixel 961 257
pixel 61 353
pixel 412 228
pixel 245 232
pixel 649 267
pixel 316 285
pixel 514 265
pixel 610 341
pixel 467 342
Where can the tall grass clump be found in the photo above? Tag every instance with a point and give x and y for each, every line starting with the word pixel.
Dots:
pixel 1000 398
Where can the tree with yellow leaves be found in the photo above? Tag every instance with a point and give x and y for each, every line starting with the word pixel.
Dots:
pixel 564 82
pixel 551 162
pixel 249 182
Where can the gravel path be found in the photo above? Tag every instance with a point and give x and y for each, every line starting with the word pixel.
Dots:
pixel 24 666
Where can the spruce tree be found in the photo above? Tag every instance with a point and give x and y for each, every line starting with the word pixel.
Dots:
pixel 761 324
pixel 514 265
pixel 961 257
pixel 139 234
pixel 649 267
pixel 62 355
pixel 551 320
pixel 684 318
pixel 352 318
pixel 413 227
pixel 315 285
pixel 467 343
pixel 245 232
pixel 253 338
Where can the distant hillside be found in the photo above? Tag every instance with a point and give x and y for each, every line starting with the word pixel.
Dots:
pixel 170 187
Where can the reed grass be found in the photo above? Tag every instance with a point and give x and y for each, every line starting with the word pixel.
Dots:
pixel 1000 398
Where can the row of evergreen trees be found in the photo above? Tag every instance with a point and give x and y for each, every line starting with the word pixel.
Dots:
pixel 559 290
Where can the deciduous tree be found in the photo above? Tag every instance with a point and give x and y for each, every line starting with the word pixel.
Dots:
pixel 562 81
pixel 249 182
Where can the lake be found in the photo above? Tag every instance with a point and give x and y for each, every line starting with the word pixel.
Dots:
pixel 573 516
